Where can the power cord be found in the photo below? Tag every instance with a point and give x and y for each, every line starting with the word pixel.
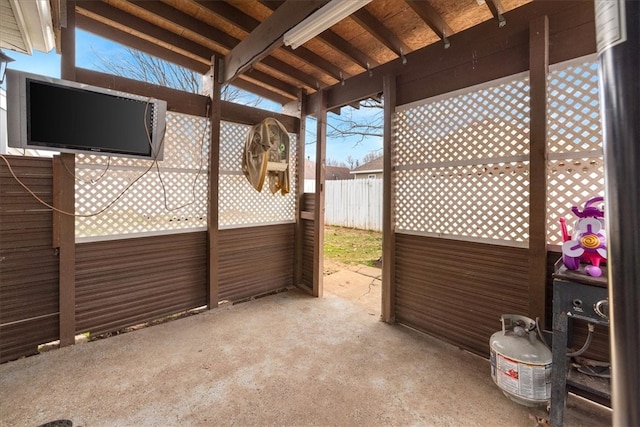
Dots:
pixel 90 181
pixel 122 193
pixel 195 180
pixel 73 214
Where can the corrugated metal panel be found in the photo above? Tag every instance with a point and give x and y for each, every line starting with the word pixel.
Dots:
pixel 307 254
pixel 599 348
pixel 309 202
pixel 124 282
pixel 458 290
pixel 28 263
pixel 255 260
pixel 308 205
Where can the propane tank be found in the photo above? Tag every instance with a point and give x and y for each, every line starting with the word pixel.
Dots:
pixel 520 363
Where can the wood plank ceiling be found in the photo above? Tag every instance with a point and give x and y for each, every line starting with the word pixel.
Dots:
pixel 190 32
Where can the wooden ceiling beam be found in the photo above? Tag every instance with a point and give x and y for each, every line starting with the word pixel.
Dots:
pixel 572 34
pixel 105 31
pixel 224 40
pixel 432 18
pixel 267 36
pixel 317 61
pixel 346 49
pixel 303 78
pixel 336 42
pixel 200 52
pixel 370 23
pixel 248 24
pixel 127 39
pixel 230 14
pixel 497 10
pixel 243 83
pixel 58 13
pixel 135 25
pixel 168 13
pixel 287 89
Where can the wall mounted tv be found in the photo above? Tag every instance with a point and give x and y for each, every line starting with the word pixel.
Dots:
pixel 45 113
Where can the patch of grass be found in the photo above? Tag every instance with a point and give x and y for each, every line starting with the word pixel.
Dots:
pixel 352 246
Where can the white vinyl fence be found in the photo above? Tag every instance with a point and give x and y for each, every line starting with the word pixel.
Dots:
pixel 354 203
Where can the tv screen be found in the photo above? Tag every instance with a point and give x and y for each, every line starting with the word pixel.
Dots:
pixel 53 114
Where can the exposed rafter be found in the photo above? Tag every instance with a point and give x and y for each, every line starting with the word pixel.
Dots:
pixel 497 10
pixel 189 23
pixel 369 22
pixel 432 18
pixel 248 24
pixel 215 35
pixel 107 31
pixel 267 36
pixel 336 42
pixel 86 20
pixel 102 12
pixel 352 53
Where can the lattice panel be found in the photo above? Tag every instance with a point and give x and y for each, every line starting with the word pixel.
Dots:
pixel 574 109
pixel 487 123
pixel 239 203
pixel 489 202
pixel 573 182
pixel 145 206
pixel 575 170
pixel 462 166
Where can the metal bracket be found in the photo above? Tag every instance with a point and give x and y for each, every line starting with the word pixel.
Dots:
pixel 445 39
pixel 220 66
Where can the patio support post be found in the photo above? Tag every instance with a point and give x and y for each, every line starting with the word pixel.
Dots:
pixel 538 68
pixel 299 229
pixel 214 172
pixel 618 36
pixel 388 236
pixel 64 200
pixel 318 223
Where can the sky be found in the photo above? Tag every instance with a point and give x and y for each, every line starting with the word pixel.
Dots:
pixel 88 46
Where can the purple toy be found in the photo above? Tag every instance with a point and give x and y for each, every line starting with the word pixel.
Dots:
pixel 589 242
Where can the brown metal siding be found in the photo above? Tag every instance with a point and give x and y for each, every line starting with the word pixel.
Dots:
pixel 599 348
pixel 458 290
pixel 307 256
pixel 28 263
pixel 308 205
pixel 309 202
pixel 255 260
pixel 124 282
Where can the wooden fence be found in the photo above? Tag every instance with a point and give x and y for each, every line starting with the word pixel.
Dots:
pixel 354 203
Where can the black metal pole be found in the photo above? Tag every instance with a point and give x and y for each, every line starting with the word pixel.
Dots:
pixel 618 33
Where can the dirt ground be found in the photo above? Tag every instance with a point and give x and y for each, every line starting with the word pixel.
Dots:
pixel 285 359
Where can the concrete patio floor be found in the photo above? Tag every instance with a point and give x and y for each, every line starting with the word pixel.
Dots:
pixel 285 359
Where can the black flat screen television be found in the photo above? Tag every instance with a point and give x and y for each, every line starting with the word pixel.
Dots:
pixel 45 113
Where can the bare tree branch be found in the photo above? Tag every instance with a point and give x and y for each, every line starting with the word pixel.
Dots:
pixel 346 125
pixel 140 66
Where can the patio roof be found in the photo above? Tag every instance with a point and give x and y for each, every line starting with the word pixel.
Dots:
pixel 248 34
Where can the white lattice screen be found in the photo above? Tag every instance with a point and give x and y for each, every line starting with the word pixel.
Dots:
pixel 145 206
pixel 575 168
pixel 239 203
pixel 184 173
pixel 461 164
